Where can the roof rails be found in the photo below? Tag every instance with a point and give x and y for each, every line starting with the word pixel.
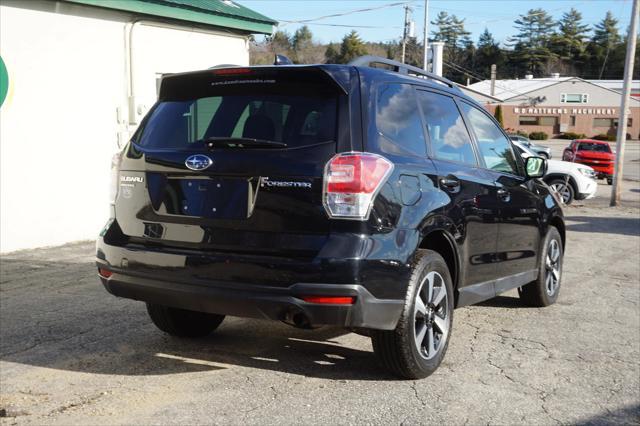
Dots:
pixel 399 67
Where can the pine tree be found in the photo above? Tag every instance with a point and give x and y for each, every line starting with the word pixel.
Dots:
pixel 458 47
pixel 280 42
pixel 569 42
pixel 487 54
pixel 601 49
pixel 331 54
pixel 351 47
pixel 302 44
pixel 531 50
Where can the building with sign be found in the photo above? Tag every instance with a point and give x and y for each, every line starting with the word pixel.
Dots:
pixel 76 77
pixel 557 105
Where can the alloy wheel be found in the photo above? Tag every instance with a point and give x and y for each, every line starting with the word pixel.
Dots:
pixel 553 264
pixel 563 190
pixel 431 315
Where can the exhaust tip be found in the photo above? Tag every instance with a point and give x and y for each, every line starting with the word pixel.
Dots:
pixel 296 318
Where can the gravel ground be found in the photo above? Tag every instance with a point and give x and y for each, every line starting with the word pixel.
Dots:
pixel 72 354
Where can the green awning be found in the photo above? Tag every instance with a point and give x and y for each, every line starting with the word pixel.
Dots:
pixel 218 13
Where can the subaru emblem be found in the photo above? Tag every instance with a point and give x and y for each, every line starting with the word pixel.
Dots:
pixel 198 162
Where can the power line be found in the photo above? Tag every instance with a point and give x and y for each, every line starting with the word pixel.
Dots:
pixel 350 12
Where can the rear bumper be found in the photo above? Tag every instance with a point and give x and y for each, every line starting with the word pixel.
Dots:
pixel 251 301
pixel 234 285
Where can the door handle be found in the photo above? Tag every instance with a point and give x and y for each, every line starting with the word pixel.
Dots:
pixel 504 195
pixel 449 183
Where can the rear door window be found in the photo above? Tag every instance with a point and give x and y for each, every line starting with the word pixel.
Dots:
pixel 398 120
pixel 495 147
pixel 448 135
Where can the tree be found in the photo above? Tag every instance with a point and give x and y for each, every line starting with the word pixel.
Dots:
pixel 569 43
pixel 604 44
pixel 458 47
pixel 331 55
pixel 351 47
pixel 302 44
pixel 531 50
pixel 280 42
pixel 498 115
pixel 487 54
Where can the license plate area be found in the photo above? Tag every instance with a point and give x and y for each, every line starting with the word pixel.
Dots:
pixel 210 197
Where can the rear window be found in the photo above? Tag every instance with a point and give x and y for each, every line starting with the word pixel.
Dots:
pixel 275 112
pixel 597 147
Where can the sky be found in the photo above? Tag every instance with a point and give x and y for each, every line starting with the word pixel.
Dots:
pixel 496 15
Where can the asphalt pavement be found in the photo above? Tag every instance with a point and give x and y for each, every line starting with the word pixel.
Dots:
pixel 71 354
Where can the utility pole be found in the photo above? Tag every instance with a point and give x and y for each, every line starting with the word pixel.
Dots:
pixel 405 34
pixel 624 105
pixel 494 71
pixel 426 36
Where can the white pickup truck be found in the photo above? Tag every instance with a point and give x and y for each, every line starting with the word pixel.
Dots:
pixel 572 181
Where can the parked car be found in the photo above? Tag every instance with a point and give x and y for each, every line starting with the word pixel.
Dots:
pixel 593 153
pixel 345 195
pixel 541 150
pixel 570 180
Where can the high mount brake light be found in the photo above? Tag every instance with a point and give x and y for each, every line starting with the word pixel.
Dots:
pixel 351 182
pixel 232 71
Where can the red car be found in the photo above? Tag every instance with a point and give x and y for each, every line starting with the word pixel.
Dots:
pixel 593 153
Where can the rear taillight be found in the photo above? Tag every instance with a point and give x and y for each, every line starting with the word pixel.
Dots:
pixel 351 182
pixel 115 172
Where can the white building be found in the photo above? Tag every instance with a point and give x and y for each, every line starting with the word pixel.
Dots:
pixel 76 76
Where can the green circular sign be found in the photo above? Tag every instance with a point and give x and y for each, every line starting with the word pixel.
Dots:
pixel 4 81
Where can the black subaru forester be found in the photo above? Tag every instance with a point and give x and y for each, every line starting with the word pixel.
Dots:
pixel 372 196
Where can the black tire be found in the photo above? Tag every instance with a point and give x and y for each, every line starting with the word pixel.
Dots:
pixel 397 349
pixel 539 293
pixel 564 189
pixel 544 155
pixel 610 181
pixel 183 323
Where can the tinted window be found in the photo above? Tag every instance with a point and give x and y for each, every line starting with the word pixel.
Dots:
pixel 398 120
pixel 447 132
pixel 292 119
pixel 495 147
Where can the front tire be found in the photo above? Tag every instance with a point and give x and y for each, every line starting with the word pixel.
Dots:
pixel 545 289
pixel 610 181
pixel 416 347
pixel 183 323
pixel 564 189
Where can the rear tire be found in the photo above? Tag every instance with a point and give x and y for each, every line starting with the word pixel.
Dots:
pixel 183 323
pixel 610 181
pixel 416 347
pixel 545 289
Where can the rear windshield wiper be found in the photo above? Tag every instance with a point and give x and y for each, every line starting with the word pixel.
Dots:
pixel 228 142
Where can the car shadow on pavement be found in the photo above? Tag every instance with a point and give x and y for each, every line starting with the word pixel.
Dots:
pixel 605 225
pixel 503 302
pixel 619 416
pixel 57 315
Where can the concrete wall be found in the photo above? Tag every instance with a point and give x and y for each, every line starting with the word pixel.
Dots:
pixel 68 104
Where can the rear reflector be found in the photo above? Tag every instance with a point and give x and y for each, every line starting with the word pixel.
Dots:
pixel 351 182
pixel 104 272
pixel 330 300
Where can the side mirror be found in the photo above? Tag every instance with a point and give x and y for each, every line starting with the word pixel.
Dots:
pixel 536 167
